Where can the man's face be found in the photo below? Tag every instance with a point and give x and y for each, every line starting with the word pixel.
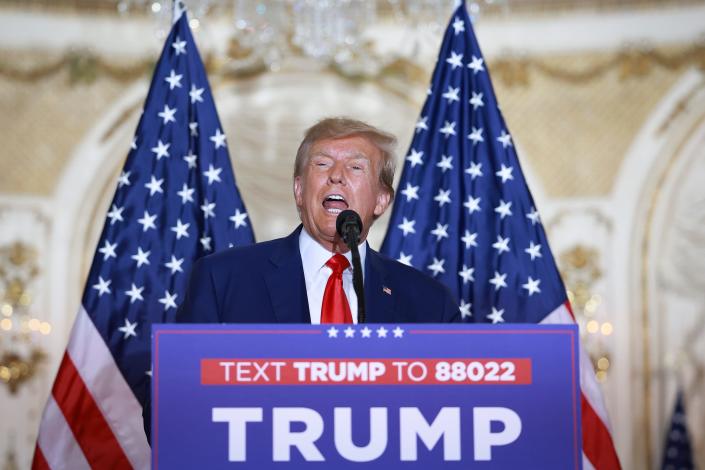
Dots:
pixel 340 174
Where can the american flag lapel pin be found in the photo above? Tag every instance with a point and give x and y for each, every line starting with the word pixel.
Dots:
pixel 386 290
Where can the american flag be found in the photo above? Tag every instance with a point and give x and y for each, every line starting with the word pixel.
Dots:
pixel 678 452
pixel 175 201
pixel 464 215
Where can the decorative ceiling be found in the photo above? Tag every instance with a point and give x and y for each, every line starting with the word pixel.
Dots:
pixel 487 6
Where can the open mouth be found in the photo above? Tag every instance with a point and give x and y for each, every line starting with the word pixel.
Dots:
pixel 334 204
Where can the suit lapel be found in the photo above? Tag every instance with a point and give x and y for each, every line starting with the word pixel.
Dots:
pixel 378 295
pixel 286 284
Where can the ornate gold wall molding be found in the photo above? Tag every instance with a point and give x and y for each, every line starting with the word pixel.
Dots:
pixel 630 63
pixel 81 66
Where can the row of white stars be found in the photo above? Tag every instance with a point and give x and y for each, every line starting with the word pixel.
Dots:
pixel 155 185
pixel 169 114
pixel 180 229
pixel 452 95
pixel 141 257
pixel 498 281
pixel 470 239
pixel 446 163
pixel 135 294
pixel 148 221
pixel 411 193
pixel 496 316
pixel 161 150
pixel 174 81
pixel 473 205
pixel 448 129
pixel 476 64
pixel 365 332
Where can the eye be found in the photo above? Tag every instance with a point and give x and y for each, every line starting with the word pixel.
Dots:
pixel 320 163
pixel 358 166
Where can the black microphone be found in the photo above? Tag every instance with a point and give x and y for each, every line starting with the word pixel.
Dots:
pixel 349 227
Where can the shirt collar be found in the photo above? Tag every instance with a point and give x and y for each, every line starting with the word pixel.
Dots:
pixel 314 256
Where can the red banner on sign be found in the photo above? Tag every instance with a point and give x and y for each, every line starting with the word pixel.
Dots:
pixel 451 371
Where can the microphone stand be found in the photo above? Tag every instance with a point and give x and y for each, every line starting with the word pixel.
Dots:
pixel 358 284
pixel 348 225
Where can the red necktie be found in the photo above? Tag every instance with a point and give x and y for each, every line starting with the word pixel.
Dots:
pixel 335 307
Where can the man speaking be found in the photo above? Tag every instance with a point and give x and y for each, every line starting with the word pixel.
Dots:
pixel 342 164
pixel 306 277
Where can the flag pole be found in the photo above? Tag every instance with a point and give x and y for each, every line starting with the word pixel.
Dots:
pixel 178 8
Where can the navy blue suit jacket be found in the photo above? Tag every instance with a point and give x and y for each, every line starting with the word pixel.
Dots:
pixel 264 283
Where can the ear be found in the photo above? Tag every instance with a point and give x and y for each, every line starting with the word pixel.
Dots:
pixel 298 191
pixel 383 200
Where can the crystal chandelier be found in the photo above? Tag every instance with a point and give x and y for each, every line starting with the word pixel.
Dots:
pixel 264 33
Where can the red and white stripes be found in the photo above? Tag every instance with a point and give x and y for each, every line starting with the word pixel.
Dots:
pixel 598 447
pixel 92 418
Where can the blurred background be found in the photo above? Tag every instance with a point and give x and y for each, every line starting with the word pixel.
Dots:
pixel 605 100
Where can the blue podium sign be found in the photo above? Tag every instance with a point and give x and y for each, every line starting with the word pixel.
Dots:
pixel 412 396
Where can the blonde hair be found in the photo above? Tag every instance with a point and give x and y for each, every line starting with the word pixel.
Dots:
pixel 341 127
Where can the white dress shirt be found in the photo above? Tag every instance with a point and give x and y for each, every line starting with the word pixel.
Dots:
pixel 314 258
